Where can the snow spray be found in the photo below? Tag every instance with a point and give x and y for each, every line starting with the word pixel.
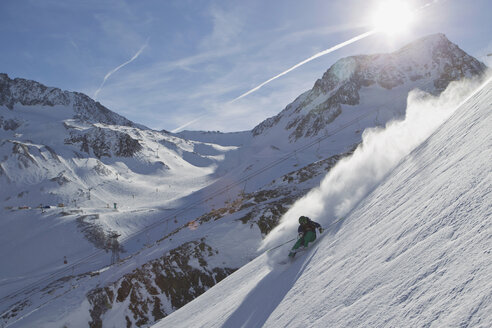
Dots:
pixel 354 177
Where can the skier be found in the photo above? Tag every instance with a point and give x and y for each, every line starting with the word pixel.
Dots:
pixel 307 233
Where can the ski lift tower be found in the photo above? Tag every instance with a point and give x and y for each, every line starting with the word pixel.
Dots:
pixel 115 248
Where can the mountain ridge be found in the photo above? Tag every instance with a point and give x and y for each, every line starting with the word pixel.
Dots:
pixel 431 57
pixel 30 93
pixel 414 252
pixel 148 173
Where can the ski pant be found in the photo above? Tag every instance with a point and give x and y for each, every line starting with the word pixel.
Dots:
pixel 305 240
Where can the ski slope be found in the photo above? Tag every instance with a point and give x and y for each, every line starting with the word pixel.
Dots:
pixel 181 189
pixel 415 252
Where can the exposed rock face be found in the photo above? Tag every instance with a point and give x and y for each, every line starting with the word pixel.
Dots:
pixel 60 179
pixel 104 142
pixel 160 286
pixel 433 58
pixel 24 157
pixel 184 273
pixel 95 233
pixel 266 206
pixel 30 93
pixel 176 278
pixel 9 124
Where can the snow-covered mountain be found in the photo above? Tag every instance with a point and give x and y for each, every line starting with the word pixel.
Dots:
pixel 74 174
pixel 183 200
pixel 31 93
pixel 414 253
pixel 429 64
pixel 52 138
pixel 355 93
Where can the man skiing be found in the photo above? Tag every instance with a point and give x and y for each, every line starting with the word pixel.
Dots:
pixel 307 233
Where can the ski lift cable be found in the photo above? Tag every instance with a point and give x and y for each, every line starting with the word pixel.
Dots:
pixel 260 171
pixel 248 177
pixel 186 208
pixel 194 204
pixel 8 324
pixel 190 205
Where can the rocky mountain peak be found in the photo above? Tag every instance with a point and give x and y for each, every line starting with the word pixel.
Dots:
pixel 433 56
pixel 32 93
pixel 429 63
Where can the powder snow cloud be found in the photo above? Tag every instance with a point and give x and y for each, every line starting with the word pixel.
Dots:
pixel 353 178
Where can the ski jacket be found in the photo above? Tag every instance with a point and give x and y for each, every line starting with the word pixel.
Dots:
pixel 308 226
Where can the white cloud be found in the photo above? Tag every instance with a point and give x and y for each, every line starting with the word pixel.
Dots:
pixel 227 26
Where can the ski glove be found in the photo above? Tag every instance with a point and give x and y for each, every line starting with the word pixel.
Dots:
pixel 320 230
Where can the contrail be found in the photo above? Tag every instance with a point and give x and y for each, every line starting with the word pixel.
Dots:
pixel 434 2
pixel 327 51
pixel 189 123
pixel 319 54
pixel 119 67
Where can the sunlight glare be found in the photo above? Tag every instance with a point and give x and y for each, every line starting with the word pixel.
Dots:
pixel 393 17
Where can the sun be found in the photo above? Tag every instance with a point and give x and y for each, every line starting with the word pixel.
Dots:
pixel 393 17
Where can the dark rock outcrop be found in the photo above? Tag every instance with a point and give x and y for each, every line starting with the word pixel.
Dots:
pixel 31 93
pixel 104 142
pixel 172 277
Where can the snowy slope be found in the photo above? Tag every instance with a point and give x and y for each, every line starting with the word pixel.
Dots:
pixel 218 138
pixel 184 200
pixel 59 147
pixel 208 252
pixel 415 252
pixel 355 93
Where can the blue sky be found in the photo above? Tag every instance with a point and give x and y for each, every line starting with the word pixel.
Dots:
pixel 196 56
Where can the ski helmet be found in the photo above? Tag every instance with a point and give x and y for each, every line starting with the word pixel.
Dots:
pixel 302 219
